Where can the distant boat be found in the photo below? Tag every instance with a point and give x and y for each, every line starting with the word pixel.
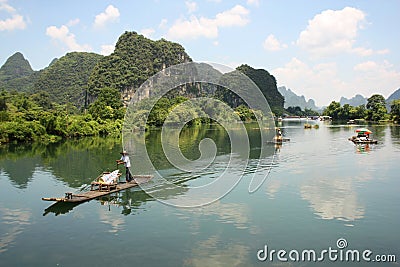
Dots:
pixel 325 118
pixel 295 118
pixel 278 138
pixel 307 126
pixel 363 137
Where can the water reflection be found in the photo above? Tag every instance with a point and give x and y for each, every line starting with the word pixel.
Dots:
pixel 273 187
pixel 128 201
pixel 395 135
pixel 60 208
pixel 190 138
pixel 215 251
pixel 317 182
pixel 236 214
pixel 75 162
pixel 13 222
pixel 333 198
pixel 223 165
pixel 117 223
pixel 362 148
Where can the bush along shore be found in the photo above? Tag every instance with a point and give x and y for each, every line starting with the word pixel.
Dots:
pixel 26 118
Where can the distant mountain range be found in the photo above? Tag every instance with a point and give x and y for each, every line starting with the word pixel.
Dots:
pixel 394 96
pixel 293 100
pixel 354 101
pixel 361 100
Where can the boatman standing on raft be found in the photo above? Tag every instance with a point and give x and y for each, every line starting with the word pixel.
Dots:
pixel 127 162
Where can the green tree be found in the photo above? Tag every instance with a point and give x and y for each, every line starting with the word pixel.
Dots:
pixel 295 111
pixel 310 112
pixel 376 108
pixel 395 110
pixel 108 105
pixel 361 112
pixel 333 110
pixel 245 113
pixel 3 101
pixel 42 99
pixel 344 112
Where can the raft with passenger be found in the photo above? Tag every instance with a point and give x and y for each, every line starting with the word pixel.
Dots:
pixel 105 184
pixel 278 138
pixel 363 137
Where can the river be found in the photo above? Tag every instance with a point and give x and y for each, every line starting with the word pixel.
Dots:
pixel 321 189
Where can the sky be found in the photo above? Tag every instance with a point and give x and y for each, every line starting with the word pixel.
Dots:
pixel 320 49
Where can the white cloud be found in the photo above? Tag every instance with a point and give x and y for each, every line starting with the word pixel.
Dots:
pixel 206 27
pixel 193 28
pixel 147 32
pixel 73 22
pixel 366 66
pixel 65 37
pixel 111 14
pixel 253 2
pixel 16 22
pixel 191 6
pixel 6 7
pixel 311 81
pixel 323 83
pixel 332 32
pixel 163 23
pixel 272 44
pixel 383 52
pixel 362 51
pixel 107 49
pixel 374 77
pixel 236 16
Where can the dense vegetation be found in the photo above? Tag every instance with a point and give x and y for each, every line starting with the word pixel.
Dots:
pixel 297 111
pixel 267 84
pixel 35 117
pixel 172 111
pixel 56 103
pixel 133 61
pixel 374 110
pixel 66 78
pixel 17 74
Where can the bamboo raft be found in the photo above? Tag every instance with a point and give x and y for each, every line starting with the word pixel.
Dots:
pixel 278 141
pixel 99 192
pixel 357 140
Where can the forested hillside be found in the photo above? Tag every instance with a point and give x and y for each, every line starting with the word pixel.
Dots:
pixel 134 60
pixel 65 80
pixel 17 74
pixel 267 84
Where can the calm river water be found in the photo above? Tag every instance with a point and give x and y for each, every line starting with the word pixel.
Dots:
pixel 321 188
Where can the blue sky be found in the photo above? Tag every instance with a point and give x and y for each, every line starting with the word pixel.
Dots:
pixel 319 49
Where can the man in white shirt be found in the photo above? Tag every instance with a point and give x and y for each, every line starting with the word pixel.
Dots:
pixel 127 162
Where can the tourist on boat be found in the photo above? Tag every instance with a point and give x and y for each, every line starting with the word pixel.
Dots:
pixel 127 162
pixel 279 137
